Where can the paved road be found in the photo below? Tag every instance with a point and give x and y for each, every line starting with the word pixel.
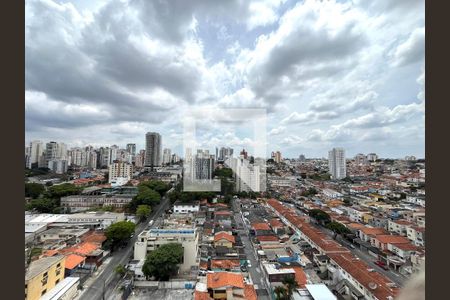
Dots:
pixel 255 271
pixel 104 284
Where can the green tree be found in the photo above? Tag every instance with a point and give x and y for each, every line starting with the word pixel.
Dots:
pixel 119 233
pixel 120 269
pixel 163 262
pixel 41 205
pixel 280 291
pixel 143 211
pixel 33 190
pixel 156 185
pixel 320 216
pixel 62 190
pixel 337 228
pixel 291 284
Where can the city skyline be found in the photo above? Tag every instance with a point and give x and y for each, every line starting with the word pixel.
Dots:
pixel 351 74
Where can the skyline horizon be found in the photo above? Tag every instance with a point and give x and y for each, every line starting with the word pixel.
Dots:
pixel 212 151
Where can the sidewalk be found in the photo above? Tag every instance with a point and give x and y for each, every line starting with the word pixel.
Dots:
pixel 94 275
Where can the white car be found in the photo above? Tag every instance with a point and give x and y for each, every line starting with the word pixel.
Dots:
pixel 249 265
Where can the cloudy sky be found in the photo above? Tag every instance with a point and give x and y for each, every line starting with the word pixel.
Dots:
pixel 328 73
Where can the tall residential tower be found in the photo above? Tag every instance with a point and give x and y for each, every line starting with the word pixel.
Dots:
pixel 336 163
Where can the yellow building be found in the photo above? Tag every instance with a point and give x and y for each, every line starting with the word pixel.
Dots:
pixel 366 218
pixel 42 275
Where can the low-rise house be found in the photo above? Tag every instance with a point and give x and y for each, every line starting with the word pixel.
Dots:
pixel 367 233
pixel 416 235
pixel 185 208
pixel 277 226
pixel 382 241
pixel 276 274
pixel 231 265
pixel 224 239
pixel 399 227
pixel 226 285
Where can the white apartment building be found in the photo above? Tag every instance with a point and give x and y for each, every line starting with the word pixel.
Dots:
pixel 336 163
pixel 166 156
pixel 152 239
pixel 248 176
pixel 120 170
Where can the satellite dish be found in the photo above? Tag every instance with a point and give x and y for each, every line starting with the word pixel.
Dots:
pixel 372 285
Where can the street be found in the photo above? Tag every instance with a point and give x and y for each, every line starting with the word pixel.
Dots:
pixel 396 277
pixel 104 284
pixel 255 271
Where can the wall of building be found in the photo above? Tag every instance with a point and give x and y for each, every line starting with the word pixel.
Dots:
pixel 55 274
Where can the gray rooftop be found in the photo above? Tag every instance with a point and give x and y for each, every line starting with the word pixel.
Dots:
pixel 38 266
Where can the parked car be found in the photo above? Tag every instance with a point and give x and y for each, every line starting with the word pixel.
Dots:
pixel 381 265
pixel 249 263
pixel 352 246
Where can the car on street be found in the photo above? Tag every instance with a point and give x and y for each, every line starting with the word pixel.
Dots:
pixel 249 263
pixel 352 246
pixel 381 265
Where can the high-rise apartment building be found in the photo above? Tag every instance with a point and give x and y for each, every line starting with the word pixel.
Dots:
pixel 131 149
pixel 372 157
pixel 360 159
pixel 203 165
pixel 336 163
pixel 59 166
pixel 51 151
pixel 276 156
pixel 36 151
pixel 152 149
pixel 167 156
pixel 247 176
pixel 302 158
pixel 225 153
pixel 175 158
pixel 120 170
pixel 244 154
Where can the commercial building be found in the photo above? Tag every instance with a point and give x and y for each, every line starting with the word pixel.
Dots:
pixel 43 275
pixel 152 239
pixel 336 163
pixel 185 208
pixel 153 149
pixel 84 202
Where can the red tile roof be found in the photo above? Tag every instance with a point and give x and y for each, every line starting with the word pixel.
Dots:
pixel 267 238
pixel 73 260
pixel 261 226
pixel 94 237
pixel 276 223
pixel 223 279
pixel 250 292
pixel 224 235
pixel 392 239
pixel 201 295
pixel 359 271
pixel 225 263
pixel 341 256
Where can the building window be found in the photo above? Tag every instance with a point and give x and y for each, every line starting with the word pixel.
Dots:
pixel 43 292
pixel 57 281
